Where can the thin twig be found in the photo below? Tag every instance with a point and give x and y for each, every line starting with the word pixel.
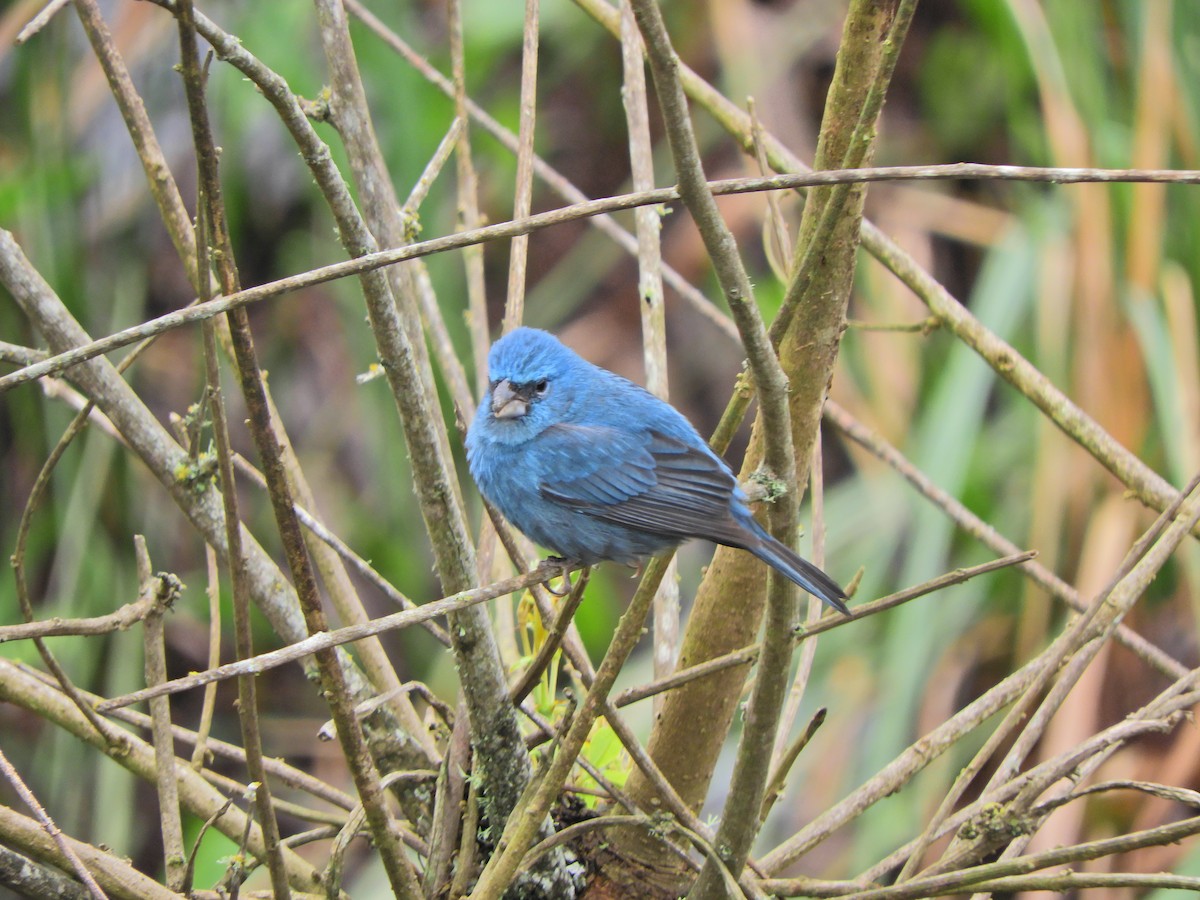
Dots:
pixel 522 828
pixel 285 774
pixel 213 592
pixel 554 636
pixel 432 169
pixel 739 823
pixel 343 550
pixel 508 139
pixel 875 443
pixel 786 760
pixel 815 609
pixel 37 493
pixel 41 20
pixel 395 310
pixel 212 231
pixel 20 356
pixel 31 691
pixel 777 241
pixel 749 655
pixel 159 179
pixel 272 593
pixel 370 261
pixel 956 882
pixel 1149 487
pixel 514 305
pixel 467 187
pixel 121 619
pixel 47 825
pixel 1065 662
pixel 1157 717
pixel 651 302
pixel 900 770
pixel 328 639
pixel 163 589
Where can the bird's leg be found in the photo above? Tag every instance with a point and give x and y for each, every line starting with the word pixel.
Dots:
pixel 563 567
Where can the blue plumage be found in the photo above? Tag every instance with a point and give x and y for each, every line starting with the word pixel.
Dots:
pixel 596 468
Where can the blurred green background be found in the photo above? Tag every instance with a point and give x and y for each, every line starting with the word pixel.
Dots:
pixel 1096 285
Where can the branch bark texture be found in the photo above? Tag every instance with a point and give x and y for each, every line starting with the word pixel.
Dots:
pixel 729 605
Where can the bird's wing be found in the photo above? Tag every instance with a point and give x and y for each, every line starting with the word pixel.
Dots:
pixel 644 480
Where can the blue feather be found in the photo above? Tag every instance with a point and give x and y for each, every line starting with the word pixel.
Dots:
pixel 595 468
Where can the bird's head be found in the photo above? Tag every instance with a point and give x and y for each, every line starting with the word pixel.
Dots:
pixel 530 381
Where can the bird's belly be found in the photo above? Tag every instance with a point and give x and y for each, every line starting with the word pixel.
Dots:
pixel 569 532
pixel 511 480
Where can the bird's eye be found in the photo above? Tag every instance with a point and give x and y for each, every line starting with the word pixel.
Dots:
pixel 541 387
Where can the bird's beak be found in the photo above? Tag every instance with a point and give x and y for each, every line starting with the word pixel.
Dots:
pixel 507 403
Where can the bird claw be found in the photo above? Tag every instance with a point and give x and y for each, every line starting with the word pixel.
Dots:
pixel 563 568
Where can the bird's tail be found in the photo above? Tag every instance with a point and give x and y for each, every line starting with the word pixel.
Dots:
pixel 799 570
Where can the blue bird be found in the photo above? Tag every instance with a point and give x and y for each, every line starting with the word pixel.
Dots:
pixel 596 468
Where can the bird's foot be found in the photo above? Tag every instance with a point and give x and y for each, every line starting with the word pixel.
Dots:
pixel 562 567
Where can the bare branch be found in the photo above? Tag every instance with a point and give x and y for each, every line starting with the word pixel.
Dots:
pixel 370 261
pixel 329 639
pixel 514 306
